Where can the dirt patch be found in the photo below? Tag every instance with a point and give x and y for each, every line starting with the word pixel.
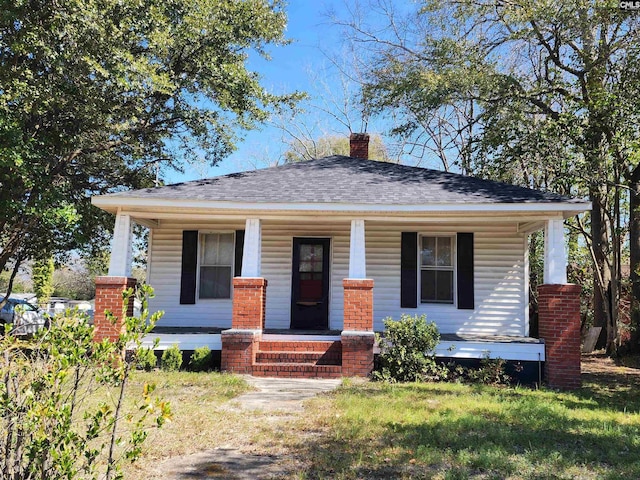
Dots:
pixel 605 371
pixel 260 450
pixel 221 463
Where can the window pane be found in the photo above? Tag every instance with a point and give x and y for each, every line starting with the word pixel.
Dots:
pixel 209 249
pixel 311 253
pixel 444 286
pixel 428 252
pixel 305 253
pixel 215 282
pixel 217 249
pixel 444 252
pixel 226 252
pixel 428 286
pixel 311 258
pixel 436 286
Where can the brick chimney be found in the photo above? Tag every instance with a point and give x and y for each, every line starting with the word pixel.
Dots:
pixel 359 143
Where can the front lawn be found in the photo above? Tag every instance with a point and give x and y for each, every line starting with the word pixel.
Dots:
pixel 197 421
pixel 370 430
pixel 454 431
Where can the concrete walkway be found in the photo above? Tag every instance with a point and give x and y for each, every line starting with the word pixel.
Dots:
pixel 282 394
pixel 271 396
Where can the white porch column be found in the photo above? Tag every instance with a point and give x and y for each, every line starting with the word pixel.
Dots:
pixel 252 252
pixel 555 255
pixel 357 258
pixel 121 250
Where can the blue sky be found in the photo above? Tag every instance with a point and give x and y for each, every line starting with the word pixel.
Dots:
pixel 288 70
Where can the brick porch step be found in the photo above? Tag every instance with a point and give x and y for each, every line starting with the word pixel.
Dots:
pixel 300 346
pixel 298 358
pixel 296 370
pixel 316 358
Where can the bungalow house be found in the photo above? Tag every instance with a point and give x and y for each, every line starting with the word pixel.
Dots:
pixel 289 270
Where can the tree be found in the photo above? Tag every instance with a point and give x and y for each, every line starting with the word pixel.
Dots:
pixel 62 408
pixel 309 148
pixel 95 95
pixel 550 100
pixel 42 278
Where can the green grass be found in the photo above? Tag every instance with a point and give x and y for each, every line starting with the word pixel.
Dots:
pixel 441 431
pixel 453 431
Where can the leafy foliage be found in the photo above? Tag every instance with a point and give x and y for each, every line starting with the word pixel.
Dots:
pixel 145 359
pixel 49 425
pixel 99 96
pixel 539 94
pixel 42 278
pixel 407 349
pixel 490 372
pixel 171 360
pixel 200 360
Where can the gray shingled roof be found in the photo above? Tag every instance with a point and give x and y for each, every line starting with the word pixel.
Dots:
pixel 340 179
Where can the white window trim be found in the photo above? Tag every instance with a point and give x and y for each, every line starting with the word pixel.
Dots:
pixel 454 265
pixel 202 233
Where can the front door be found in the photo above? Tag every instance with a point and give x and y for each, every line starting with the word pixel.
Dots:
pixel 310 284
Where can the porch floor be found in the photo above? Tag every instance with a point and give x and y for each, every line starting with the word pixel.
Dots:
pixel 450 346
pixel 454 337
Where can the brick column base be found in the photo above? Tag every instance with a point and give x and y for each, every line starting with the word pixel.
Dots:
pixel 357 353
pixel 109 298
pixel 239 349
pixel 357 337
pixel 358 304
pixel 559 326
pixel 249 303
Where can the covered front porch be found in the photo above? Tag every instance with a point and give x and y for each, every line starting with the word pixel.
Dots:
pixel 249 331
pixel 451 345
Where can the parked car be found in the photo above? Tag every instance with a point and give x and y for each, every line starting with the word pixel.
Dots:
pixel 26 318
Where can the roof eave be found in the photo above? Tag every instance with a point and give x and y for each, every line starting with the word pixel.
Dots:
pixel 114 203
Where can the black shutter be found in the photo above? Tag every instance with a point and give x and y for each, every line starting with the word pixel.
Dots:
pixel 409 270
pixel 465 271
pixel 189 265
pixel 237 271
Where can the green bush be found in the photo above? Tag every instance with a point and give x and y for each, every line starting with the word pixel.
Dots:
pixel 55 420
pixel 171 359
pixel 145 359
pixel 200 360
pixel 492 371
pixel 407 349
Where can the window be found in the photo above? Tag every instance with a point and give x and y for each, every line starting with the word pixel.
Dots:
pixel 216 265
pixel 436 270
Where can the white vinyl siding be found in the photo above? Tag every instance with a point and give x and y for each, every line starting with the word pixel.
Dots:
pixel 165 272
pixel 499 274
pixel 500 301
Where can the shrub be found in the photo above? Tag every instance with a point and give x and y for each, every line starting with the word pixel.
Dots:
pixel 146 359
pixel 54 418
pixel 171 359
pixel 407 349
pixel 490 372
pixel 200 360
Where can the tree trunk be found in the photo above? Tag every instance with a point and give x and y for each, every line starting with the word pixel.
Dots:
pixel 634 257
pixel 602 270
